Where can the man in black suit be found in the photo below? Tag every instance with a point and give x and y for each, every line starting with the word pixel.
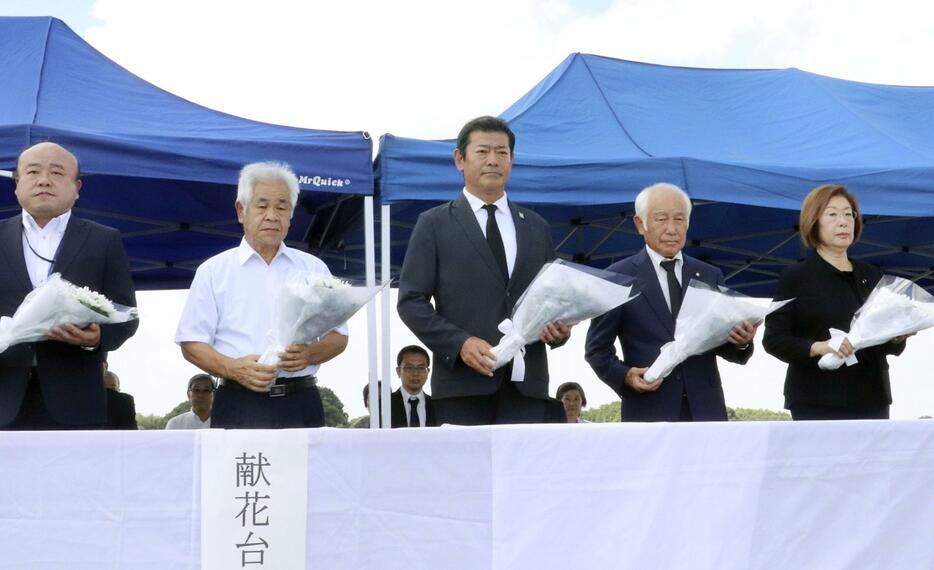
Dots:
pixel 474 257
pixel 410 405
pixel 692 391
pixel 56 384
pixel 121 408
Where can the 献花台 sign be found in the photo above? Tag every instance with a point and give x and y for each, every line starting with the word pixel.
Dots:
pixel 254 499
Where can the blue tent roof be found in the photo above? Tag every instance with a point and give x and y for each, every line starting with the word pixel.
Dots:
pixel 747 145
pixel 158 167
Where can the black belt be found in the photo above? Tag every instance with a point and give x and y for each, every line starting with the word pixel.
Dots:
pixel 281 387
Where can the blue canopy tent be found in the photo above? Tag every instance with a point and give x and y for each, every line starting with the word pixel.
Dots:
pixel 164 170
pixel 747 145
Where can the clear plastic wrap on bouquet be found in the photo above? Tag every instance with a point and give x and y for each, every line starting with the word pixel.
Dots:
pixel 706 317
pixel 896 307
pixel 561 291
pixel 308 306
pixel 55 303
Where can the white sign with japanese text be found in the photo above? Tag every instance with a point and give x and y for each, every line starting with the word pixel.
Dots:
pixel 254 499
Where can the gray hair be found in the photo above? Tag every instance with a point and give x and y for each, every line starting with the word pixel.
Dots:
pixel 269 173
pixel 644 197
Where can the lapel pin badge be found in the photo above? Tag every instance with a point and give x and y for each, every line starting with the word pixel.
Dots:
pixel 521 215
pixel 697 274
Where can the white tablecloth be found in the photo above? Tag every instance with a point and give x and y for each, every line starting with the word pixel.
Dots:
pixel 720 495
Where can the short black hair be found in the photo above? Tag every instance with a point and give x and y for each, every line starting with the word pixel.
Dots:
pixel 485 124
pixel 197 377
pixel 413 349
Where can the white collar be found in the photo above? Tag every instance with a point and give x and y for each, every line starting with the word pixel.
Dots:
pixel 476 204
pixel 245 251
pixel 657 258
pixel 406 395
pixel 56 224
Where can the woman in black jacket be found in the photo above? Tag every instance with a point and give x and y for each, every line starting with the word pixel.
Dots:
pixel 828 288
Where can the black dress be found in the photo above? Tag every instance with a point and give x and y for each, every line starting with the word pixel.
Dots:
pixel 824 298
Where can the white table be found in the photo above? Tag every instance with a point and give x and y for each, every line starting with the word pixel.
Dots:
pixel 720 495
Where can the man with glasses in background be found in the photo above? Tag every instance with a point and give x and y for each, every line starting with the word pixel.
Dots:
pixel 410 405
pixel 201 396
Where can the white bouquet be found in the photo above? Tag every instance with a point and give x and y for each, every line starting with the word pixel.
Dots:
pixel 896 307
pixel 308 306
pixel 706 317
pixel 561 291
pixel 58 302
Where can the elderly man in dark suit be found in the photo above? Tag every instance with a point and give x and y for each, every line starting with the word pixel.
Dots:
pixel 662 272
pixel 56 384
pixel 474 256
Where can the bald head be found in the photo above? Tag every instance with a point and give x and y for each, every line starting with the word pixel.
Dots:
pixel 47 183
pixel 111 381
pixel 69 160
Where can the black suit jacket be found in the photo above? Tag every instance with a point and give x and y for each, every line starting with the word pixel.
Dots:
pixel 642 326
pixel 90 255
pixel 397 409
pixel 448 261
pixel 826 297
pixel 121 410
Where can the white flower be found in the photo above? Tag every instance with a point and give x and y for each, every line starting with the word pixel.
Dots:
pixel 57 302
pixel 706 317
pixel 896 307
pixel 561 291
pixel 308 306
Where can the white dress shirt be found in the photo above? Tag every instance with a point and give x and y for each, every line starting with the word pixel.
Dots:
pixel 188 420
pixel 45 241
pixel 231 301
pixel 422 413
pixel 657 260
pixel 507 228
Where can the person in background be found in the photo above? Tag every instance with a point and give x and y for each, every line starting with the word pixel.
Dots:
pixel 121 408
pixel 572 396
pixel 826 289
pixel 410 406
pixel 201 396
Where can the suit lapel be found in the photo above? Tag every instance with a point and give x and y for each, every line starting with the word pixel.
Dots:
pixel 652 291
pixel 692 270
pixel 465 218
pixel 11 248
pixel 72 242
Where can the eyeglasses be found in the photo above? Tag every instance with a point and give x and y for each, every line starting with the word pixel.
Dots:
pixel 201 390
pixel 416 369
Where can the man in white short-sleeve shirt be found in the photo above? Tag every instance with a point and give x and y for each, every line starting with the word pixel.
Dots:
pixel 201 398
pixel 229 312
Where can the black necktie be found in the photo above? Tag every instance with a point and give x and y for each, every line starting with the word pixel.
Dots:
pixel 674 288
pixel 495 239
pixel 413 412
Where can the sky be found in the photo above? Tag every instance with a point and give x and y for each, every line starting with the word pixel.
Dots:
pixel 423 68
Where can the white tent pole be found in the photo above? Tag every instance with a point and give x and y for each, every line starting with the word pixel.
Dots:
pixel 385 248
pixel 370 254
